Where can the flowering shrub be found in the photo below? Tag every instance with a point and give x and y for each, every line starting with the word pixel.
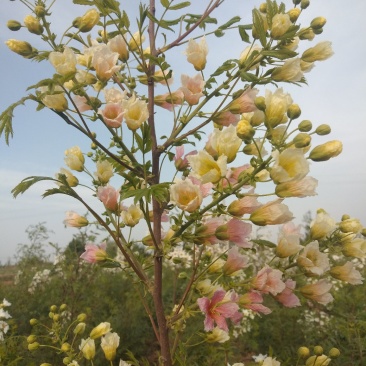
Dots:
pixel 113 83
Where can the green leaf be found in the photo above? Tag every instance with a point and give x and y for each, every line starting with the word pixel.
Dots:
pixel 258 26
pixel 83 2
pixel 125 20
pixel 165 3
pixel 247 76
pixel 281 54
pixel 227 65
pixel 182 5
pixel 161 192
pixel 265 243
pixel 6 118
pixel 230 22
pixel 27 183
pixel 243 34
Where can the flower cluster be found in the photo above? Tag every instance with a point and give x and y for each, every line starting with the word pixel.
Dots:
pixel 4 315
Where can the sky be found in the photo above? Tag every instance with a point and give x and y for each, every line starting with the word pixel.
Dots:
pixel 334 95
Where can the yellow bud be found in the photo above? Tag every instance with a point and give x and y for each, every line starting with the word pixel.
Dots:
pixel 334 353
pixel 53 308
pixel 263 8
pixel 13 25
pixel 63 307
pixel 81 317
pixel 306 33
pixel 80 328
pixel 33 322
pixel 302 140
pixel 56 317
pixel 33 25
pixel 323 130
pixel 318 23
pixel 67 360
pixel 45 364
pixel 31 339
pixel 22 48
pixel 296 2
pixel 303 352
pixel 363 232
pixel 33 346
pixel 65 347
pixel 245 130
pixel 326 151
pixel 87 22
pixel 305 126
pixel 40 11
pixel 318 350
pixel 293 111
pixel 51 314
pixel 294 14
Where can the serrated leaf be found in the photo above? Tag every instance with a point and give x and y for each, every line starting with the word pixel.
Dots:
pixel 265 243
pixel 243 34
pixel 28 182
pixel 258 26
pixel 182 5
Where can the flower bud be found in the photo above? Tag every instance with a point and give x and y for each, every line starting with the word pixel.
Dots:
pixel 326 151
pixel 67 360
pixel 45 364
pixel 260 103
pixel 33 25
pixel 56 317
pixel 305 126
pixel 280 25
pixel 40 11
pixel 80 328
pixel 306 33
pixel 65 347
pixel 53 308
pixel 304 4
pixel 31 338
pixel 294 14
pixel 302 140
pixel 318 350
pixel 22 48
pixel 303 352
pixel 100 330
pixel 334 353
pixel 13 25
pixel 263 8
pixel 33 346
pixel 319 52
pixel 323 130
pixel 87 21
pixel 318 23
pixel 350 226
pixel 33 322
pixel 245 130
pixel 293 111
pixel 363 232
pixel 81 317
pixel 296 2
pixel 63 307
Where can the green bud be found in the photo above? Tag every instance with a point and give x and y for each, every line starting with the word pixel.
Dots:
pixel 13 25
pixel 177 260
pixel 304 4
pixel 318 23
pixel 31 338
pixel 293 111
pixel 260 103
pixel 303 352
pixel 63 307
pixel 33 346
pixel 182 275
pixel 22 48
pixel 318 31
pixel 326 151
pixel 33 322
pixel 80 328
pixel 40 11
pixel 93 146
pixel 81 317
pixel 56 317
pixel 334 353
pixel 323 130
pixel 67 360
pixel 263 8
pixel 51 314
pixel 296 2
pixel 318 350
pixel 53 308
pixel 302 140
pixel 33 25
pixel 45 364
pixel 345 217
pixel 305 126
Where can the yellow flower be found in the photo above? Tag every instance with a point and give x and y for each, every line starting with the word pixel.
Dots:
pixel 217 335
pixel 289 71
pixel 132 216
pixel 350 226
pixel 280 25
pixel 186 195
pixel 136 41
pixel 326 151
pixel 104 171
pixel 321 360
pixel 75 220
pixel 320 52
pixel 87 347
pixel 87 22
pixel 224 142
pixel 196 53
pixel 72 181
pixel 355 248
pixel 347 273
pixel 56 101
pixel 312 261
pixel 289 165
pixel 322 226
pixel 119 45
pixel 103 60
pixel 63 62
pixel 109 344
pixel 297 188
pixel 206 168
pixel 277 104
pixel 74 159
pixel 244 129
pixel 135 112
pixel 100 330
pixel 272 213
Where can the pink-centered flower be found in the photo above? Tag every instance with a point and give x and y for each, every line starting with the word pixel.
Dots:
pixel 112 114
pixel 205 234
pixel 81 103
pixel 226 118
pixel 180 161
pixel 253 301
pixel 94 253
pixel 287 298
pixel 169 100
pixel 246 205
pixel 223 305
pixel 109 196
pixel 192 88
pixel 235 231
pixel 269 280
pixel 244 103
pixel 235 262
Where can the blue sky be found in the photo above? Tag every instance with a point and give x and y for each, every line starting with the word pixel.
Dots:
pixel 335 95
